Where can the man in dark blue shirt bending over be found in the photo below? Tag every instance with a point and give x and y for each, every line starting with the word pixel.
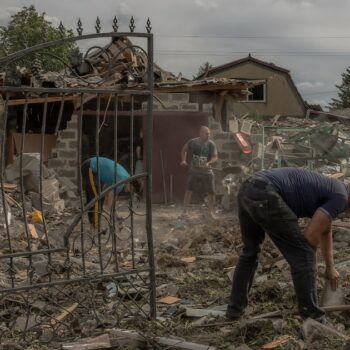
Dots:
pixel 271 201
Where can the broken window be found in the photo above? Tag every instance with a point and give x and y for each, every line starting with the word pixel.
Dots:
pixel 258 93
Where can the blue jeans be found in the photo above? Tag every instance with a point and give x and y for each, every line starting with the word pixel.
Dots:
pixel 261 209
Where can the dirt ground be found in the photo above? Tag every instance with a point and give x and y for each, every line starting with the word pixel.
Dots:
pixel 214 247
pixel 195 259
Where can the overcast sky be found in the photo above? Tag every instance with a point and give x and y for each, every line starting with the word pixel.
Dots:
pixel 311 38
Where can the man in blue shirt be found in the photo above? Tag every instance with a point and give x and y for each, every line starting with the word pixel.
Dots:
pixel 96 178
pixel 271 201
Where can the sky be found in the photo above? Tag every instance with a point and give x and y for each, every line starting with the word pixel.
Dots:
pixel 311 38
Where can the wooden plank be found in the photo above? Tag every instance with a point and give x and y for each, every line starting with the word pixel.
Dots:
pixel 169 300
pixel 35 100
pixel 61 317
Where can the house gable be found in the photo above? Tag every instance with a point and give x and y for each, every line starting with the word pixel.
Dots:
pixel 282 96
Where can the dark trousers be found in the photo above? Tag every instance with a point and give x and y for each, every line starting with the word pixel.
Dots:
pixel 260 210
pixel 91 185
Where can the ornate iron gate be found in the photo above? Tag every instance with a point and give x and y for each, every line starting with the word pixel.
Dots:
pixel 65 279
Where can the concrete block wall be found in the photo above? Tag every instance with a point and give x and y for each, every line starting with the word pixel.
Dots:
pixel 63 158
pixel 173 102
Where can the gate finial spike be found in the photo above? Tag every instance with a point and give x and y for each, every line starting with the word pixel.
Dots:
pixel 80 27
pixel 61 29
pixel 115 24
pixel 132 24
pixel 98 25
pixel 148 26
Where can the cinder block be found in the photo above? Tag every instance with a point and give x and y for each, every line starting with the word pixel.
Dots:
pixel 193 107
pixel 256 138
pixel 66 154
pixel 56 163
pixel 222 136
pixel 68 134
pixel 172 107
pixel 230 146
pixel 62 145
pixel 180 97
pixel 207 107
pixel 73 144
pixel 224 155
pixel 72 163
pixel 163 97
pixel 70 173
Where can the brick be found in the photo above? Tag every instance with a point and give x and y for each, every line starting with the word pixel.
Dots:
pixel 180 97
pixel 190 107
pixel 72 163
pixel 66 154
pixel 68 134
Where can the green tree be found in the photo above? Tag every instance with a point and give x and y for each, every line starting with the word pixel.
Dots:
pixel 28 28
pixel 203 69
pixel 343 100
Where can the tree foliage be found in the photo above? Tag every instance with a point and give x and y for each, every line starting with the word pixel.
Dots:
pixel 343 100
pixel 203 69
pixel 28 28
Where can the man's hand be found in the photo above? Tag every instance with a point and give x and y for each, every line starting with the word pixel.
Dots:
pixel 183 163
pixel 332 275
pixel 207 165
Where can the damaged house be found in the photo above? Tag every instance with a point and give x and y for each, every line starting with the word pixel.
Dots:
pixel 180 108
pixel 277 94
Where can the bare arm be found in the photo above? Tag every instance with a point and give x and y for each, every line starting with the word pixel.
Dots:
pixel 319 233
pixel 184 154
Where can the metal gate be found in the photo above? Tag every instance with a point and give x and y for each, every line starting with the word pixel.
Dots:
pixel 66 278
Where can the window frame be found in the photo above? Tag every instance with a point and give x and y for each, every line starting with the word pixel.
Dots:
pixel 264 92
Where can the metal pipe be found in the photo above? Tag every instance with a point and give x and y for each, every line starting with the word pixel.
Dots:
pixel 80 179
pixel 43 131
pixel 152 275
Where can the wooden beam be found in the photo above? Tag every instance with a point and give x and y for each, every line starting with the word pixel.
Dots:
pixel 36 100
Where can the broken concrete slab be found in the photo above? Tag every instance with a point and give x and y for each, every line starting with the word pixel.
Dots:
pixel 315 331
pixel 101 342
pixel 215 257
pixel 127 336
pixel 190 312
